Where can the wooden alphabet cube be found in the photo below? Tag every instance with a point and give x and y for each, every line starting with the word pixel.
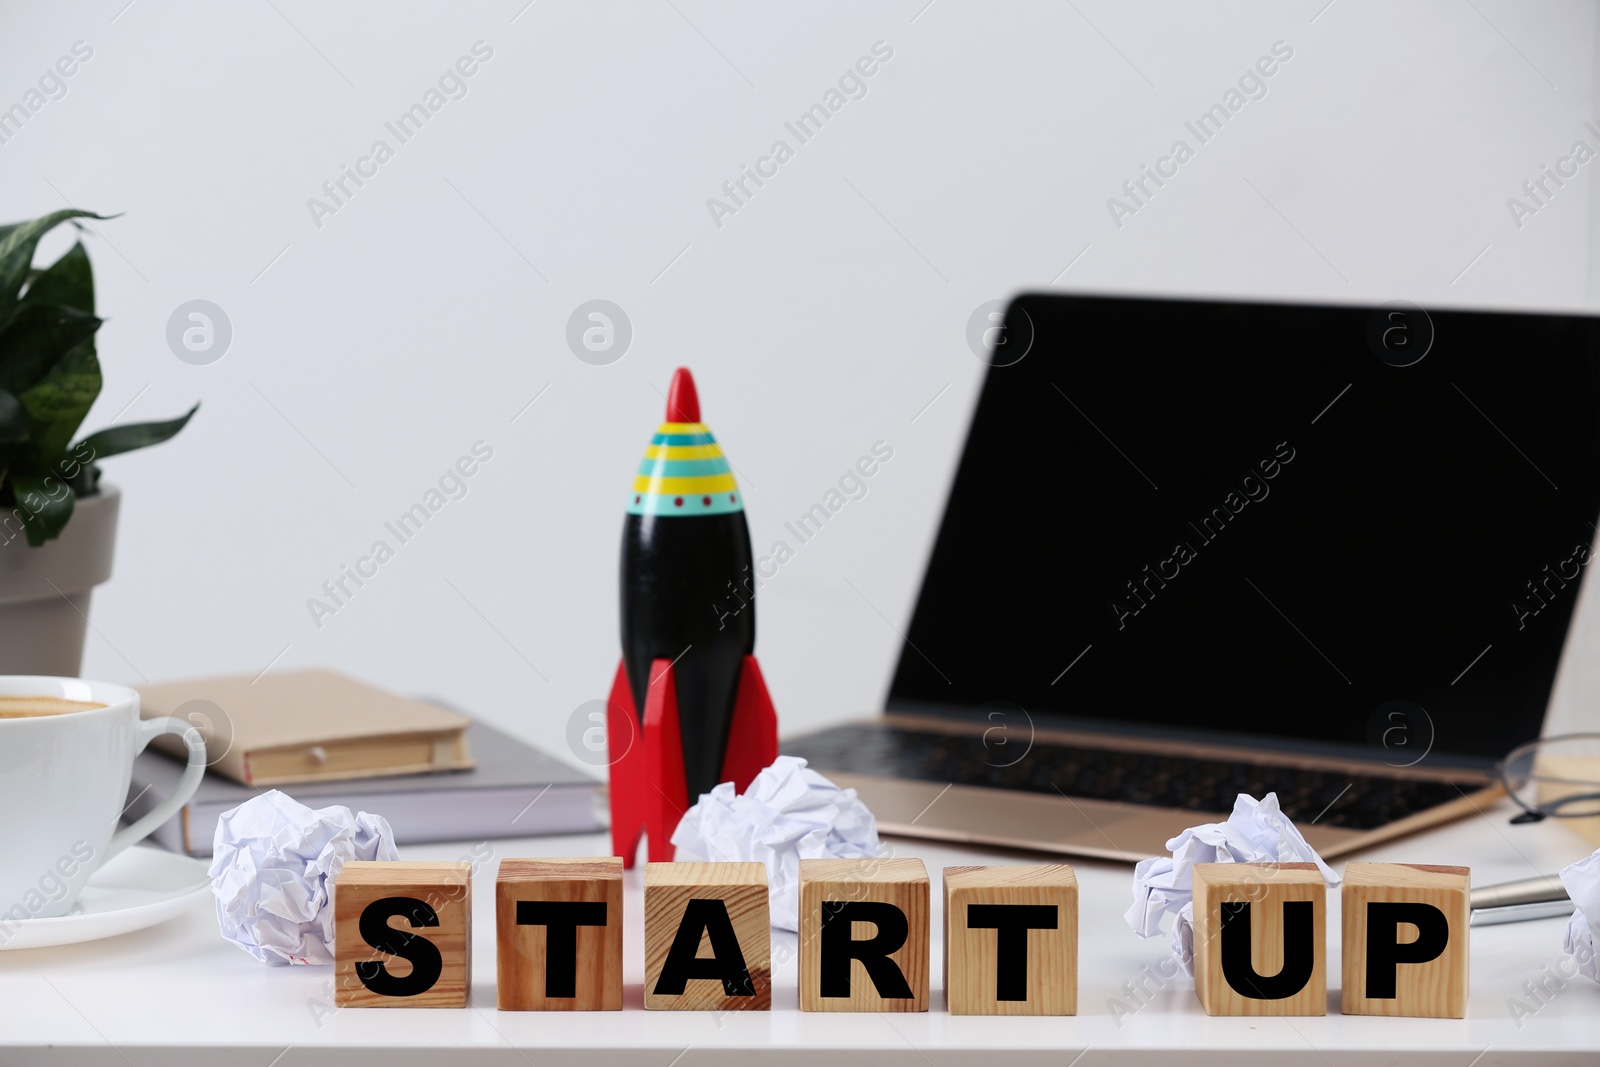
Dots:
pixel 1260 933
pixel 1405 940
pixel 863 935
pixel 402 935
pixel 1011 940
pixel 707 937
pixel 558 934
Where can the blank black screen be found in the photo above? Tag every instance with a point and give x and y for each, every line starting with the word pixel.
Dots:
pixel 1247 518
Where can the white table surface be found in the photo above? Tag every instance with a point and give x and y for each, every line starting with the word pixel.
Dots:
pixel 178 994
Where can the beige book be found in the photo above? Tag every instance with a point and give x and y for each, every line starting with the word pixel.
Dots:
pixel 308 726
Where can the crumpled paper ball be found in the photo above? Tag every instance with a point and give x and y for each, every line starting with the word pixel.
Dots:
pixel 1257 831
pixel 1582 882
pixel 788 814
pixel 272 870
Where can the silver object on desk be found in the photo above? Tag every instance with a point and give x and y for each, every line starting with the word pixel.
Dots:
pixel 1543 897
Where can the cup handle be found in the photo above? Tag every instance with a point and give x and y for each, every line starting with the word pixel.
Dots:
pixel 149 729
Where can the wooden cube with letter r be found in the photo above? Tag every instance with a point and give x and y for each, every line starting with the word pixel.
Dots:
pixel 1011 940
pixel 402 935
pixel 1405 940
pixel 863 935
pixel 707 937
pixel 1260 938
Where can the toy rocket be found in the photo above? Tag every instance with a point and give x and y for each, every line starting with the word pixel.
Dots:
pixel 688 708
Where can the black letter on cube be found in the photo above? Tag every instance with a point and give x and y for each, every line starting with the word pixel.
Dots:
pixel 562 918
pixel 426 963
pixel 1011 923
pixel 1384 954
pixel 1299 951
pixel 837 949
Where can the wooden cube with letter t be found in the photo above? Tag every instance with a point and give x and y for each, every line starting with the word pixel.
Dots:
pixel 402 935
pixel 863 935
pixel 1260 932
pixel 558 927
pixel 707 937
pixel 1405 940
pixel 1011 940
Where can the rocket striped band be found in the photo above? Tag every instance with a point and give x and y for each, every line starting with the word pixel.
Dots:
pixel 684 473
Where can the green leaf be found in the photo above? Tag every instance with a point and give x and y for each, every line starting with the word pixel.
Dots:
pixel 44 503
pixel 37 337
pixel 118 439
pixel 68 281
pixel 17 244
pixel 57 403
pixel 13 419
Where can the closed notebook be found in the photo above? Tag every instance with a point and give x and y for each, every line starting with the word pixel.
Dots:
pixel 515 791
pixel 309 726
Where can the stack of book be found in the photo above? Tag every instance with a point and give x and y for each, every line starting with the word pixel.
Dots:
pixel 324 739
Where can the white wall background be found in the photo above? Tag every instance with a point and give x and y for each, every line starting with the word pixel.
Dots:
pixel 372 351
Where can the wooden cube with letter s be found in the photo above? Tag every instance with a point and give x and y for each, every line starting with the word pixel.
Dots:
pixel 402 935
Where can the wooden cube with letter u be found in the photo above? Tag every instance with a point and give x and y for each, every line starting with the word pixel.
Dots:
pixel 707 937
pixel 402 935
pixel 1011 940
pixel 863 935
pixel 1260 932
pixel 558 925
pixel 1405 940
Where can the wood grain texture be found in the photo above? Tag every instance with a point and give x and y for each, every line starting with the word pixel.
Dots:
pixel 1435 989
pixel 900 882
pixel 523 950
pixel 742 890
pixel 1266 888
pixel 972 955
pixel 446 889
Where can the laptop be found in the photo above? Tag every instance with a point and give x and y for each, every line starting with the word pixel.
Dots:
pixel 1198 548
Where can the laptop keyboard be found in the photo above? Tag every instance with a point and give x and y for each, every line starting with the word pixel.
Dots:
pixel 1330 798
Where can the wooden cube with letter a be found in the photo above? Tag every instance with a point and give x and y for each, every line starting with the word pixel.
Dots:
pixel 707 937
pixel 1405 940
pixel 1011 940
pixel 558 934
pixel 863 935
pixel 1260 932
pixel 402 935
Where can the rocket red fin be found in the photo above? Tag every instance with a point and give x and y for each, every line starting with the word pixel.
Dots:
pixel 666 792
pixel 649 794
pixel 683 401
pixel 753 734
pixel 625 756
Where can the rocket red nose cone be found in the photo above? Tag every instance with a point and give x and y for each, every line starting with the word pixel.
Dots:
pixel 683 403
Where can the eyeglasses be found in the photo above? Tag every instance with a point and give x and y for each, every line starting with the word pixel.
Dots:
pixel 1554 777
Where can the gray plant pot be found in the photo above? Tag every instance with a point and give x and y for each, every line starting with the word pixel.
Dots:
pixel 44 592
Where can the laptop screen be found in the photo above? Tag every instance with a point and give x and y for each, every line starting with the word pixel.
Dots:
pixel 1357 526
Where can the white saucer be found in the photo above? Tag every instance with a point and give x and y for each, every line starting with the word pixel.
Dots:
pixel 136 889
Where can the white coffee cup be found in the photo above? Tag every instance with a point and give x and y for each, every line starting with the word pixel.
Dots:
pixel 63 787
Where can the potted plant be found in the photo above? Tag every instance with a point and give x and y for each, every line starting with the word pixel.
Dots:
pixel 57 522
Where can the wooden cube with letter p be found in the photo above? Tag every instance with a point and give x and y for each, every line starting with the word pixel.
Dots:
pixel 707 937
pixel 1011 940
pixel 1405 940
pixel 402 935
pixel 558 934
pixel 863 935
pixel 1260 933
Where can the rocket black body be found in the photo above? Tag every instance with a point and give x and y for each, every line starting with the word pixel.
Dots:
pixel 687 597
